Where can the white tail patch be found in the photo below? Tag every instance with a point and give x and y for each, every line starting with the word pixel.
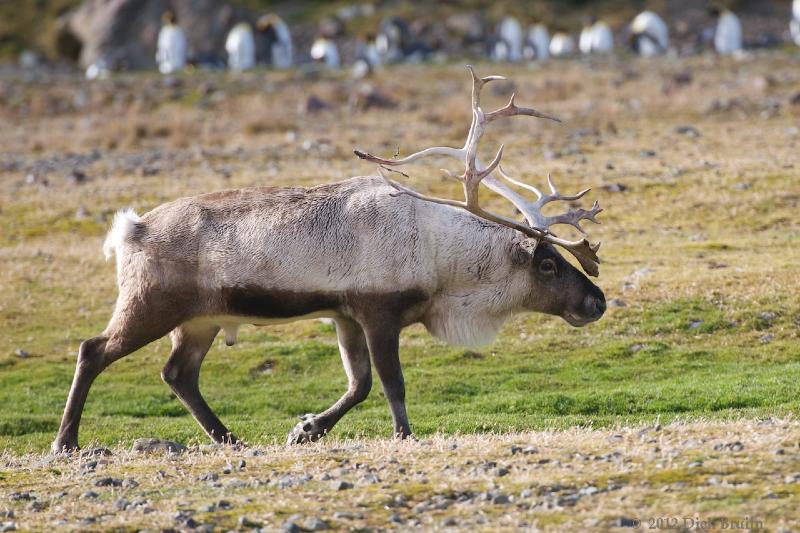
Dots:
pixel 121 229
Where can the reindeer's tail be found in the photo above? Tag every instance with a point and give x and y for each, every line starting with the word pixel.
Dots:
pixel 122 229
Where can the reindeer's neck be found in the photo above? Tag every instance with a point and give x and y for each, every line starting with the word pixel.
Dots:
pixel 479 287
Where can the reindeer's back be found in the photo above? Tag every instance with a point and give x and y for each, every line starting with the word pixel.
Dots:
pixel 343 236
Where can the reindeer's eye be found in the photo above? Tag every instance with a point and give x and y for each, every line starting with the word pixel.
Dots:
pixel 548 267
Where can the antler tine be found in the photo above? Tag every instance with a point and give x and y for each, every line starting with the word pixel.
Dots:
pixel 477 85
pixel 494 164
pixel 508 178
pixel 511 110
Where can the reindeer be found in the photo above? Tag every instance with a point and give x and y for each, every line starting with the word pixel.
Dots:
pixel 370 253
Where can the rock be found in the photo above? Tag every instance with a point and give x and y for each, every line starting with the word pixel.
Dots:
pixel 742 186
pixel 689 131
pixel 157 446
pixel 121 504
pixel 36 506
pixel 766 339
pixel 367 96
pixel 647 153
pixel 344 515
pixel 247 523
pixel 108 482
pixel 616 302
pixel 694 324
pixel 96 452
pixel 77 176
pixel 209 476
pixel 289 527
pixel 736 446
pixel 792 478
pixel 614 187
pixel 500 472
pixel 22 354
pixel 315 524
pixel 129 483
pixel 341 485
pixel 89 495
pixel 500 499
pixel 8 526
pixel 314 104
pixel 225 505
pixel 21 497
pixel 396 518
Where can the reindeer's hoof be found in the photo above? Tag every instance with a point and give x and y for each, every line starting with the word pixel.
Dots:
pixel 309 429
pixel 64 446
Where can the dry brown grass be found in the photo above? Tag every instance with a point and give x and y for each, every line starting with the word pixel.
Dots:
pixel 553 480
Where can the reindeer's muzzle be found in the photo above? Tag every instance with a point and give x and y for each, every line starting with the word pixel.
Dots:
pixel 591 309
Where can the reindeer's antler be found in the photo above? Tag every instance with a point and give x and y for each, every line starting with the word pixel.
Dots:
pixel 538 224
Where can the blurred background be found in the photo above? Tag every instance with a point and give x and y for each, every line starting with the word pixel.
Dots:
pixel 123 34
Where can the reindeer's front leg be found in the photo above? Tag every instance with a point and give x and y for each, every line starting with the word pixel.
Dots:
pixel 355 358
pixel 384 348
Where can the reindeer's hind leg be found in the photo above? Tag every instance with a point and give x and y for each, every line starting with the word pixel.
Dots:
pixel 190 343
pixel 135 323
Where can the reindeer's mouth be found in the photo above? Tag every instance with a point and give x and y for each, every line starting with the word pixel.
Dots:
pixel 575 320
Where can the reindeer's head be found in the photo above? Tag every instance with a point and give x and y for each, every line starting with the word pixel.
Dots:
pixel 557 287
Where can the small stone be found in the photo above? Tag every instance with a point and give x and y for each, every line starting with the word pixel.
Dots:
pixel 209 476
pixel 341 485
pixel 157 446
pixel 396 518
pixel 96 452
pixel 694 324
pixel 247 523
pixel 614 187
pixel 225 505
pixel 288 526
pixel 616 302
pixel 689 131
pixel 21 497
pixel 129 483
pixel 742 186
pixel 89 495
pixel 314 104
pixel 647 153
pixel 766 339
pixel 241 465
pixel 515 450
pixel 8 526
pixel 792 478
pixel 344 515
pixel 77 176
pixel 500 472
pixel 696 464
pixel 315 524
pixel 449 521
pixel 121 504
pixel 36 506
pixel 500 499
pixel 22 354
pixel 108 482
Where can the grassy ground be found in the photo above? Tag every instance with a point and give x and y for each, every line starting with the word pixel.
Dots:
pixel 701 245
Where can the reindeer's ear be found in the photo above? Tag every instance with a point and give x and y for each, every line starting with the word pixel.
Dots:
pixel 522 252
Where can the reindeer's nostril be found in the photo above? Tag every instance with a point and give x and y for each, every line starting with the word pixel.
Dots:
pixel 600 306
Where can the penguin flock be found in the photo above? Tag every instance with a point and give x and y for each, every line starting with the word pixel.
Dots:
pixel 647 35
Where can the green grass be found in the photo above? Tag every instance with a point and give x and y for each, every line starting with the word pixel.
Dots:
pixel 629 368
